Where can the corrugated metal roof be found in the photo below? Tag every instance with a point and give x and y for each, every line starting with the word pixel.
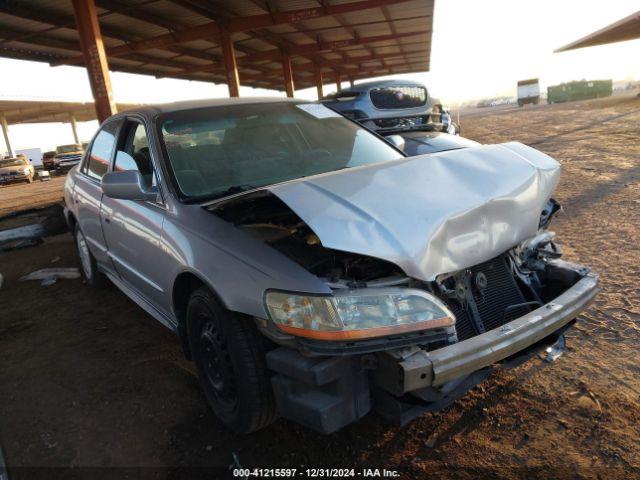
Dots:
pixel 391 36
pixel 626 29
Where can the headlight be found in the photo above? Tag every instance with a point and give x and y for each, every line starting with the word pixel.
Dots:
pixel 26 171
pixel 355 314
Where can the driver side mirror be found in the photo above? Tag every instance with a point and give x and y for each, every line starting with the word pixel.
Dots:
pixel 127 185
pixel 397 141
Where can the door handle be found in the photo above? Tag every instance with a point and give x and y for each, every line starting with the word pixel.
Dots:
pixel 107 220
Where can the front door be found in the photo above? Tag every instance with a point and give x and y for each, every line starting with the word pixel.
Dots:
pixel 132 228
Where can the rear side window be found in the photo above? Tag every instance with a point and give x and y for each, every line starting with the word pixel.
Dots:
pixel 101 151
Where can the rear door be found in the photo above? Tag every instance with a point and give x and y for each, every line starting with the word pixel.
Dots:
pixel 133 228
pixel 88 191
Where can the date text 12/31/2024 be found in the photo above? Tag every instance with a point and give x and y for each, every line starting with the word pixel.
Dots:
pixel 314 473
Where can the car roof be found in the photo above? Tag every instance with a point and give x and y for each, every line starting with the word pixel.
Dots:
pixel 153 110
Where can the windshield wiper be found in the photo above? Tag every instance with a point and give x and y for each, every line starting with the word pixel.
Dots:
pixel 234 189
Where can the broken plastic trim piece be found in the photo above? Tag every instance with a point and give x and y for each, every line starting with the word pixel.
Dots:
pixel 48 274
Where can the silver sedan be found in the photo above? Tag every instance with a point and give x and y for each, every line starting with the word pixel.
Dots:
pixel 310 268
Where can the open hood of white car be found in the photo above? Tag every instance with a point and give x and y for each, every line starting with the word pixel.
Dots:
pixel 429 214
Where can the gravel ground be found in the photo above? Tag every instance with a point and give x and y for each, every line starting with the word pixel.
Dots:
pixel 88 380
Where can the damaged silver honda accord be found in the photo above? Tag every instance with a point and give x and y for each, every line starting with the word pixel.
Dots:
pixel 310 269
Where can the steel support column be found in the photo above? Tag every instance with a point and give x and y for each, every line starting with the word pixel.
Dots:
pixel 5 132
pixel 95 58
pixel 74 128
pixel 287 73
pixel 318 76
pixel 338 80
pixel 230 65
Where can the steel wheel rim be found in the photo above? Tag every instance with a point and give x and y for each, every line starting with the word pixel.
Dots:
pixel 216 366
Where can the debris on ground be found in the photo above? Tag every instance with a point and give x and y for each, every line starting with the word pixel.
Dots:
pixel 431 441
pixel 555 351
pixel 49 276
pixel 25 236
pixel 28 228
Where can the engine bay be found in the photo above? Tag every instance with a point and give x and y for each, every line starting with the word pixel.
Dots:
pixel 271 221
pixel 482 297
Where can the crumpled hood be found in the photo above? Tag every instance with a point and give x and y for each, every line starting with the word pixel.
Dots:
pixel 429 214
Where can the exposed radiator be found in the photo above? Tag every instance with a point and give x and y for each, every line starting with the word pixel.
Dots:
pixel 500 293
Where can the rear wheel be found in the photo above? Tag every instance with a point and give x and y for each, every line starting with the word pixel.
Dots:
pixel 230 355
pixel 88 265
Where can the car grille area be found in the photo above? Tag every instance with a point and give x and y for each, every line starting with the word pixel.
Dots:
pixel 398 97
pixel 500 302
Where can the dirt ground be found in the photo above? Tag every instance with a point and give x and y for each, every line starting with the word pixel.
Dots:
pixel 16 197
pixel 87 379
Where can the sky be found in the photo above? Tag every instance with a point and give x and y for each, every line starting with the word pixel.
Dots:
pixel 479 49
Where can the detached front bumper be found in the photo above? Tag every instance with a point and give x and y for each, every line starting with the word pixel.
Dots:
pixel 436 368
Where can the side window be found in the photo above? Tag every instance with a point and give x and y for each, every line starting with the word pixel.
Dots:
pixel 101 150
pixel 134 154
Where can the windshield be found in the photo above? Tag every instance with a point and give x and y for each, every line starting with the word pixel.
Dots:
pixel 12 162
pixel 68 148
pixel 218 151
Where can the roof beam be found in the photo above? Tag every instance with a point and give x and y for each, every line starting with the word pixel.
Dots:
pixel 73 46
pixel 239 24
pixel 309 49
pixel 22 10
pixel 310 67
pixel 242 24
pixel 135 11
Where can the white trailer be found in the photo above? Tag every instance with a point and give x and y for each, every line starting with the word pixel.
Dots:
pixel 528 91
pixel 33 154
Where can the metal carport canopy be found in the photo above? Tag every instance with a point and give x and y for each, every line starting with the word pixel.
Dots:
pixel 626 29
pixel 45 111
pixel 274 43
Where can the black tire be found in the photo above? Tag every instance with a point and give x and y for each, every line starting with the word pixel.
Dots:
pixel 230 355
pixel 89 271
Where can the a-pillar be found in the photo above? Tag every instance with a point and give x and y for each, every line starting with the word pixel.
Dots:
pixel 287 73
pixel 95 58
pixel 74 128
pixel 5 132
pixel 230 65
pixel 318 77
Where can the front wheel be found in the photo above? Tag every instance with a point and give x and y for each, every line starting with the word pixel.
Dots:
pixel 88 265
pixel 230 355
